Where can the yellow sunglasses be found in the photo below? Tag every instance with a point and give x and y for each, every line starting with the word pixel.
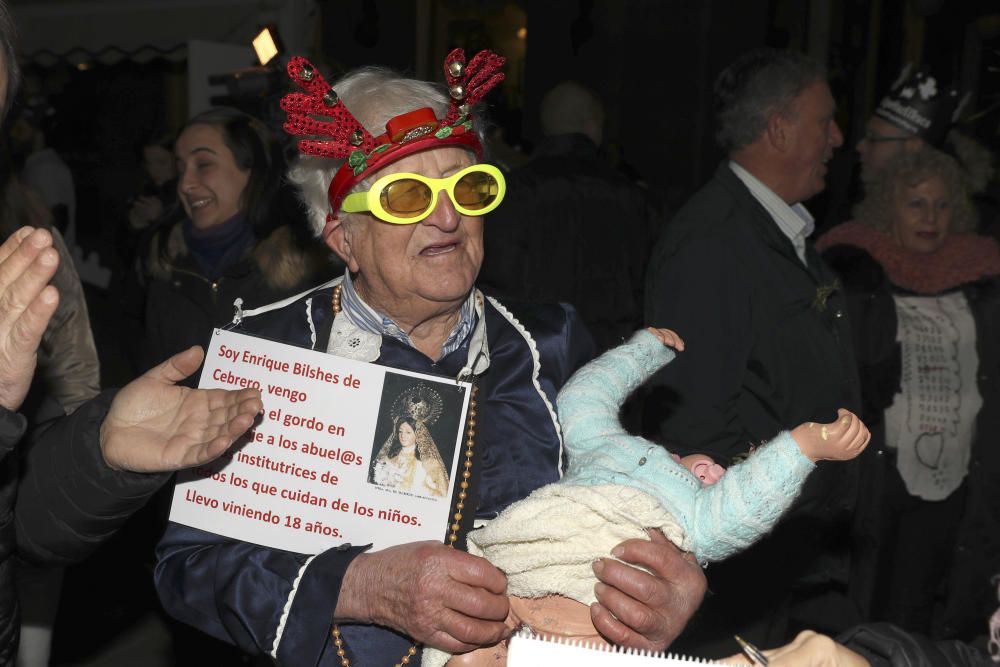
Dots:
pixel 405 198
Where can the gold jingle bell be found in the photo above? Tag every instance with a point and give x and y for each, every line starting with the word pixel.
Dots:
pixel 463 109
pixel 455 68
pixel 307 73
pixel 457 91
pixel 356 138
pixel 330 98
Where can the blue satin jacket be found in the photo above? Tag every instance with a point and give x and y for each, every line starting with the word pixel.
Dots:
pixel 282 603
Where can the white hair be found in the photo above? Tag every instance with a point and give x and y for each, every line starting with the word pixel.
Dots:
pixel 374 95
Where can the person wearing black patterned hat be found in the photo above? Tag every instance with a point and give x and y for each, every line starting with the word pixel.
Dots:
pixel 918 111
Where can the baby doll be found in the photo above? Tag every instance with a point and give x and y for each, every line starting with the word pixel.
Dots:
pixel 617 486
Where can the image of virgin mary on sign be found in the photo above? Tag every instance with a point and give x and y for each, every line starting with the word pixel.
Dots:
pixel 410 460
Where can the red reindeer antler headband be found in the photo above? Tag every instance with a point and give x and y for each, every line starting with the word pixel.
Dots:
pixel 343 137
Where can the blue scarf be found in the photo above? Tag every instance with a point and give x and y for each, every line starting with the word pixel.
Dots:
pixel 218 248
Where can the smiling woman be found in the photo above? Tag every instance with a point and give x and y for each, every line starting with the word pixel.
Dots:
pixel 242 234
pixel 211 182
pixel 924 294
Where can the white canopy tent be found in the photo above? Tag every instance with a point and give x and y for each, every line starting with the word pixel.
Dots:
pixel 106 31
pixel 211 36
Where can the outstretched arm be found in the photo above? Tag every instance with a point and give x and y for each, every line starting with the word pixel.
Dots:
pixel 85 474
pixel 646 598
pixel 750 498
pixel 155 425
pixel 746 503
pixel 590 401
pixel 840 440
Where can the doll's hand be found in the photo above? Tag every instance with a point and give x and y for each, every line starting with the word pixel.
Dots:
pixel 668 338
pixel 840 440
pixel 703 467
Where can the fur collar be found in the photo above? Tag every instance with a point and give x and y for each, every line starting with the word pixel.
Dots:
pixel 963 259
pixel 280 260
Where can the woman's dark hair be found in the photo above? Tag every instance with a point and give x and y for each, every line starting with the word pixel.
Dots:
pixel 8 49
pixel 269 201
pixel 160 137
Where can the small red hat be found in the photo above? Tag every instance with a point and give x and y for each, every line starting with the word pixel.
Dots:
pixel 344 137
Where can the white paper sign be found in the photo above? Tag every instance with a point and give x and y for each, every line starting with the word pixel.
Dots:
pixel 346 451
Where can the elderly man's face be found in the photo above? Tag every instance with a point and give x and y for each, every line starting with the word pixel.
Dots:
pixel 882 142
pixel 813 135
pixel 434 261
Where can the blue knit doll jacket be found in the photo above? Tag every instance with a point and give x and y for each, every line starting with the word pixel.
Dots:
pixel 720 519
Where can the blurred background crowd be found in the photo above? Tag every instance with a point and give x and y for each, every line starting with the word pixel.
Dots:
pixel 604 128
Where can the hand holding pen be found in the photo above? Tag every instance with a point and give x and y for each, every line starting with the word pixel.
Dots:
pixel 808 649
pixel 755 655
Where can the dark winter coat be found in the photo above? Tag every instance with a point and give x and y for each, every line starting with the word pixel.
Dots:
pixel 976 556
pixel 182 306
pixel 767 341
pixel 885 645
pixel 767 347
pixel 281 603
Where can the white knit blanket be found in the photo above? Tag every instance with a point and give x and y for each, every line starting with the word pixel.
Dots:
pixel 546 543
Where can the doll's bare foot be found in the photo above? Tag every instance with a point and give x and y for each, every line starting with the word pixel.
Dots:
pixel 556 616
pixel 553 616
pixel 840 440
pixel 488 656
pixel 668 338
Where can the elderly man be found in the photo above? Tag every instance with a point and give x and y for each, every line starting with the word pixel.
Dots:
pixel 80 477
pixel 917 112
pixel 768 345
pixel 404 211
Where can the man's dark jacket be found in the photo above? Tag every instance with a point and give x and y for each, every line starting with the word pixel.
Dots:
pixel 764 351
pixel 278 602
pixel 768 347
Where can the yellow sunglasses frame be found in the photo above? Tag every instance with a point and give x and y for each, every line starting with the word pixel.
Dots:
pixel 370 200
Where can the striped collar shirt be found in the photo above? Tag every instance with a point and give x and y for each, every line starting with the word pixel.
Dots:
pixel 366 318
pixel 795 222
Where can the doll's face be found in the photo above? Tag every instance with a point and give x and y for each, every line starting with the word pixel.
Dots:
pixel 704 468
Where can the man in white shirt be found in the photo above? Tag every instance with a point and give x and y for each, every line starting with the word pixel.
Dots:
pixel 768 344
